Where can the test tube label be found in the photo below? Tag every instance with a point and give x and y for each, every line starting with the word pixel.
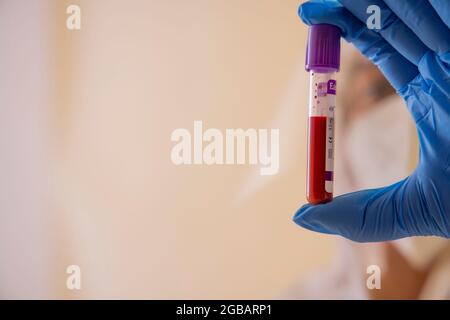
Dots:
pixel 329 161
pixel 322 89
pixel 322 104
pixel 331 87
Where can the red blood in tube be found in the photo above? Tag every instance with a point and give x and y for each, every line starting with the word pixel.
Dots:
pixel 317 136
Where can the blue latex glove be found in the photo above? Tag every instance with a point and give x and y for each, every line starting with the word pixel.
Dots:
pixel 412 49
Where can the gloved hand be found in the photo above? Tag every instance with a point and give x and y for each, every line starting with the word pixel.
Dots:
pixel 412 49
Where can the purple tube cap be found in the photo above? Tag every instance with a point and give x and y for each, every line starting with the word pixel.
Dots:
pixel 323 52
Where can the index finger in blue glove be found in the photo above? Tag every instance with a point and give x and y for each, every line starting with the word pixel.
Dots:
pixel 397 69
pixel 392 29
pixel 443 10
pixel 428 27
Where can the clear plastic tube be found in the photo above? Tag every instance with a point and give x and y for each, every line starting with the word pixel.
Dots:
pixel 321 136
pixel 322 62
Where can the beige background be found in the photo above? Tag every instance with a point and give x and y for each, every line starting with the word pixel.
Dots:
pixel 109 97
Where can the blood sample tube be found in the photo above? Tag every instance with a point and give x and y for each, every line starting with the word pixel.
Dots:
pixel 322 62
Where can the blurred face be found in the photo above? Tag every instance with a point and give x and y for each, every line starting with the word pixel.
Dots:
pixel 364 86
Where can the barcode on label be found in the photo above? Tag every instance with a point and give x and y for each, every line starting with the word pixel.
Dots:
pixel 330 153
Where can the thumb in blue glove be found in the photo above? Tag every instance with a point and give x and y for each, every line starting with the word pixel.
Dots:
pixel 412 49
